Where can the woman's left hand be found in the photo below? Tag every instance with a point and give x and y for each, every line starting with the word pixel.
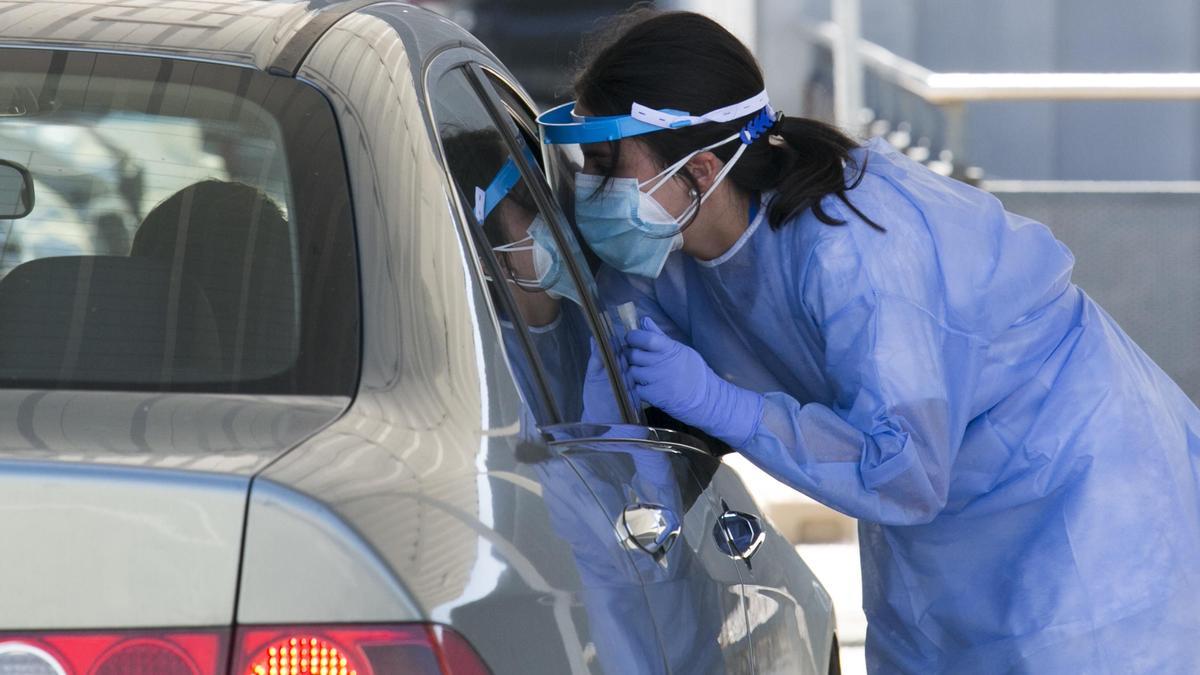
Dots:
pixel 674 377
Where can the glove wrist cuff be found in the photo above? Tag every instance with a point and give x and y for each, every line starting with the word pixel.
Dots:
pixel 738 414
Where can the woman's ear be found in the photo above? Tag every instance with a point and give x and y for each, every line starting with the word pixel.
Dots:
pixel 704 167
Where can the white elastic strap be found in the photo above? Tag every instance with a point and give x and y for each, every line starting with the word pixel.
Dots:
pixel 523 283
pixel 516 246
pixel 696 203
pixel 661 178
pixel 668 120
pixel 480 204
pixel 723 172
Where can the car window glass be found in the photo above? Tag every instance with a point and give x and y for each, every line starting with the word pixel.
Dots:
pixel 176 240
pixel 545 330
pixel 559 164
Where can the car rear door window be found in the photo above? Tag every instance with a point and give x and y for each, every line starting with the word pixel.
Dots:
pixel 191 230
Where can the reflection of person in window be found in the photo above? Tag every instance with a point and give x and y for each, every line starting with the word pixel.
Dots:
pixel 512 224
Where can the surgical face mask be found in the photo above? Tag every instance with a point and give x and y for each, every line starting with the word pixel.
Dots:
pixel 548 266
pixel 628 228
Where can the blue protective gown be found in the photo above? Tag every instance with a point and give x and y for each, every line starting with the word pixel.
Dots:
pixel 1024 475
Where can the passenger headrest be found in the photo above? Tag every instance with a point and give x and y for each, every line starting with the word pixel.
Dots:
pixel 123 322
pixel 233 240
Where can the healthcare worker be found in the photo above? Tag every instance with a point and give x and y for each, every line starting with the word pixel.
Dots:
pixel 894 344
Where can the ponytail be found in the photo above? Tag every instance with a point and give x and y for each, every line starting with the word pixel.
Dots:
pixel 811 159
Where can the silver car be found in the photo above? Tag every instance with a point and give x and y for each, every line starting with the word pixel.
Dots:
pixel 318 413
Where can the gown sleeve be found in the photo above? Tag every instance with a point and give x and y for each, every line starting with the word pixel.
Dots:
pixel 882 450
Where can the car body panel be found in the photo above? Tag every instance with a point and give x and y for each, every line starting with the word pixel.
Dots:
pixel 125 547
pixel 133 503
pixel 425 466
pixel 302 564
pixel 790 613
pixel 694 591
pixel 229 31
pixel 431 465
pixel 218 433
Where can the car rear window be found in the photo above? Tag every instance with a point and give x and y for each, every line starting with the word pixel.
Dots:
pixel 191 230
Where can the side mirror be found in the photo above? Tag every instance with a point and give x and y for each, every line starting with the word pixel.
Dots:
pixel 16 191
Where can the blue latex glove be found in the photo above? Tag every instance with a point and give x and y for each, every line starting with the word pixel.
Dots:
pixel 675 378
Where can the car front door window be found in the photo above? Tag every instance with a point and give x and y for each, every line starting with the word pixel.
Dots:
pixel 538 300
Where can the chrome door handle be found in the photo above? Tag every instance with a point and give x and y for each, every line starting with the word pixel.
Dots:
pixel 652 528
pixel 739 535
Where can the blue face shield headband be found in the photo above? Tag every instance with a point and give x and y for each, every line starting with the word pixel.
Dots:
pixel 626 226
pixel 505 179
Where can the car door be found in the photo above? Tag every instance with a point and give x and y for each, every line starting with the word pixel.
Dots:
pixel 605 622
pixel 790 614
pixel 655 485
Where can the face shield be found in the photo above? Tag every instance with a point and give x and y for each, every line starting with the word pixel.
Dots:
pixel 620 218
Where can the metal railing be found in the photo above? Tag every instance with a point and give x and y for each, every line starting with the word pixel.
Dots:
pixel 1135 241
pixel 950 92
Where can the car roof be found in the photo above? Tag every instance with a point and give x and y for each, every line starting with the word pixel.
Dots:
pixel 259 33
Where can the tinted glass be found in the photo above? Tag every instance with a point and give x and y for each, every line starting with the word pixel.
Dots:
pixel 545 329
pixel 191 231
pixel 558 164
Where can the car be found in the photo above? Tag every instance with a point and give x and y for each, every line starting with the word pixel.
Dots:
pixel 324 411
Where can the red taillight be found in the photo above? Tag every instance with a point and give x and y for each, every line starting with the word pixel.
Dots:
pixel 114 653
pixel 288 654
pixel 146 657
pixel 408 649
